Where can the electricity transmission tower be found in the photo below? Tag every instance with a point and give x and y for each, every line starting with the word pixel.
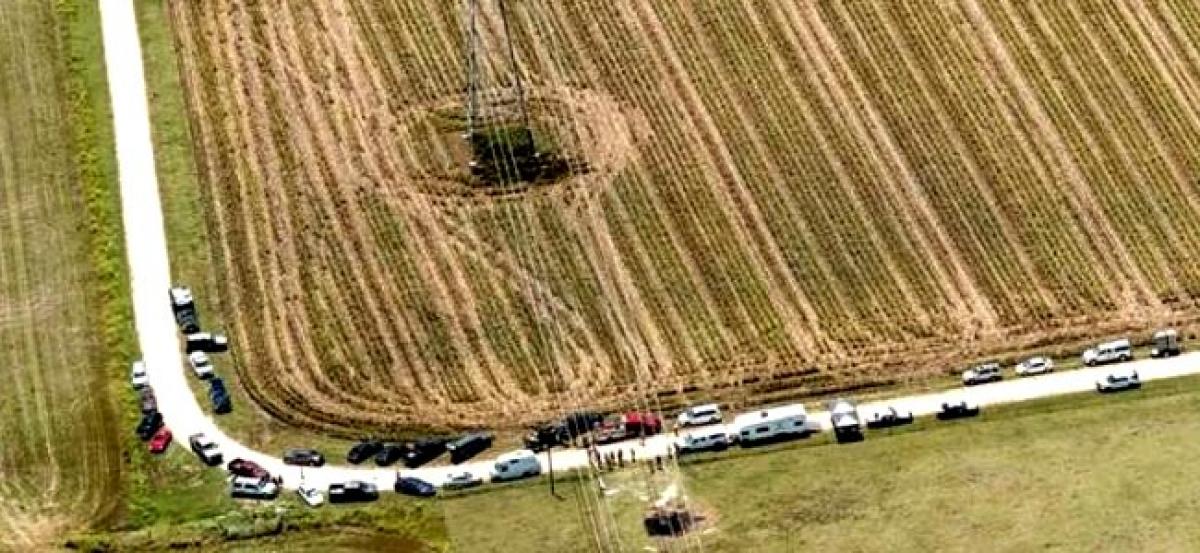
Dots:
pixel 476 54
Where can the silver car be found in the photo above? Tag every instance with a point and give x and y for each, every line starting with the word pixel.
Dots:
pixel 1035 365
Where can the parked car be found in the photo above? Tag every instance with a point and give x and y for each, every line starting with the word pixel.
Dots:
pixel 461 481
pixel 843 416
pixel 469 446
pixel 957 410
pixel 1034 366
pixel 138 376
pixel 310 495
pixel 247 469
pixel 201 365
pixel 987 372
pixel 206 342
pixel 184 307
pixel 353 491
pixel 516 465
pixel 205 448
pixel 160 440
pixel 409 485
pixel 423 451
pixel 888 417
pixel 1166 344
pixel 715 440
pixel 547 435
pixel 388 454
pixel 149 424
pixel 148 401
pixel 699 415
pixel 218 395
pixel 303 457
pixel 1119 380
pixel 253 488
pixel 363 450
pixel 1116 351
pixel 580 423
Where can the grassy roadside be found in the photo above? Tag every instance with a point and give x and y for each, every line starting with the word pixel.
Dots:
pixel 1078 472
pixel 155 488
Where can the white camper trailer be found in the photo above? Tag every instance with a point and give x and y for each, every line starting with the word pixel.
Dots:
pixel 773 424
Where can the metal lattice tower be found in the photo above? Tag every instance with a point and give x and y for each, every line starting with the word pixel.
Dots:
pixel 475 78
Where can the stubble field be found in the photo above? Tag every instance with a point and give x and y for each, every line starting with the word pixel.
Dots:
pixel 61 465
pixel 771 199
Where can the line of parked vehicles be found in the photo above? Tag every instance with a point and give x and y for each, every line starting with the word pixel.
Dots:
pixel 750 429
pixel 150 428
pixel 582 428
pixel 1164 343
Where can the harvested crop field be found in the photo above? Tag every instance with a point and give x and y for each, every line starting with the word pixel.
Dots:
pixel 60 455
pixel 768 199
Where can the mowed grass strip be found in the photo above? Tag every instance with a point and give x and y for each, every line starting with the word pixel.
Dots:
pixel 1077 473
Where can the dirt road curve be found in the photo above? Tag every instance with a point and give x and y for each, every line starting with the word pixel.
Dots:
pixel 147 250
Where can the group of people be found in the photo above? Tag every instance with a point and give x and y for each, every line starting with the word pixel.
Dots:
pixel 613 460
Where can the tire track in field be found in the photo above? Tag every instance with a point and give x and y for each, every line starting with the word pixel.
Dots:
pixel 756 217
pixel 1034 151
pixel 357 93
pixel 1124 156
pixel 612 273
pixel 703 128
pixel 234 31
pixel 833 101
pixel 433 214
pixel 1146 123
pixel 968 161
pixel 501 377
pixel 966 289
pixel 641 251
pixel 300 99
pixel 1168 64
pixel 1096 222
pixel 646 347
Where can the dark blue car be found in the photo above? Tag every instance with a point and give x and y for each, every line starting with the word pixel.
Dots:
pixel 219 395
pixel 409 485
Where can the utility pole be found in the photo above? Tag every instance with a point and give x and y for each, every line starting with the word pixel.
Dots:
pixel 550 469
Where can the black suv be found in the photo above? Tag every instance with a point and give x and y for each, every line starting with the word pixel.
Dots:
pixel 352 491
pixel 303 457
pixel 388 454
pixel 149 424
pixel 362 451
pixel 469 446
pixel 423 451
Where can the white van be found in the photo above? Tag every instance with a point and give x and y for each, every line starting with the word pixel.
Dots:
pixel 253 488
pixel 776 423
pixel 699 415
pixel 1108 352
pixel 516 465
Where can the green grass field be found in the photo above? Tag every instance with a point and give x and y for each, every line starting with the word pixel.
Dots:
pixel 1077 473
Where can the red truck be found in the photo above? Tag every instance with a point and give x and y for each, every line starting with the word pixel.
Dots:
pixel 633 424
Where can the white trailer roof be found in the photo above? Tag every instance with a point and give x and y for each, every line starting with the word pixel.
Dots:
pixel 770 414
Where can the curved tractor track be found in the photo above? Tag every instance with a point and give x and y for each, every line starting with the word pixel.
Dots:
pixel 150 273
pixel 851 192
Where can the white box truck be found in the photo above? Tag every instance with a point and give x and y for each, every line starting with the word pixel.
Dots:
pixel 771 425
